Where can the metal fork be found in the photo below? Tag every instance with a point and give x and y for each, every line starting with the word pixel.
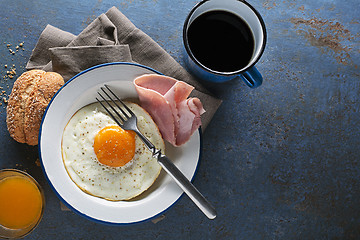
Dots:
pixel 128 121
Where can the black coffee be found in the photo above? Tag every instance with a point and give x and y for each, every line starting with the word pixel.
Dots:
pixel 221 41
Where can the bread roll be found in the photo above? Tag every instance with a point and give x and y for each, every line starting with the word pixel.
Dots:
pixel 30 95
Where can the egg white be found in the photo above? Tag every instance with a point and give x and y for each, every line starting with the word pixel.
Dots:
pixel 97 179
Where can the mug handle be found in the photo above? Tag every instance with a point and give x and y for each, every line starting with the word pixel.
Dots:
pixel 252 77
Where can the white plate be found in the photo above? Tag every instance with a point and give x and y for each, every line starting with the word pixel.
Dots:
pixel 78 92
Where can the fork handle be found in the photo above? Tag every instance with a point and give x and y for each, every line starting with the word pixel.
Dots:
pixel 187 187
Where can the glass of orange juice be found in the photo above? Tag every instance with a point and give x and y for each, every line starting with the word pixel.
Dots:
pixel 21 203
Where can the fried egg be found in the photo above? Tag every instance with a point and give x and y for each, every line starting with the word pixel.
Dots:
pixel 106 161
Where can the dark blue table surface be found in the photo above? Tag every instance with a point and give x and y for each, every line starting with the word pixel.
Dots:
pixel 278 162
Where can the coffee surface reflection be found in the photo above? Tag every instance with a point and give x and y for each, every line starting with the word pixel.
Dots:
pixel 221 41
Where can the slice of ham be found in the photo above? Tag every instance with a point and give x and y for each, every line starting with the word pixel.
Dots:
pixel 166 100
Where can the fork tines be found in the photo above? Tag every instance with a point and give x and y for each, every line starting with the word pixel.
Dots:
pixel 124 115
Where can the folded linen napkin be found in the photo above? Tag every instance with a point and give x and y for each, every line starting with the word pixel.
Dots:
pixel 111 37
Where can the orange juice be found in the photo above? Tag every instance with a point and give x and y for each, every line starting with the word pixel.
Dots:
pixel 21 202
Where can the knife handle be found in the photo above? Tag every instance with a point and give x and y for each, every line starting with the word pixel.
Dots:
pixel 187 187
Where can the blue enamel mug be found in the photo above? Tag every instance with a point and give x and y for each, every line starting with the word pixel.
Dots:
pixel 202 40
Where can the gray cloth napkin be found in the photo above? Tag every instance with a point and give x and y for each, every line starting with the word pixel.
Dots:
pixel 111 38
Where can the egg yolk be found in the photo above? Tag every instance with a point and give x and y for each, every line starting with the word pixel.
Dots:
pixel 114 146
